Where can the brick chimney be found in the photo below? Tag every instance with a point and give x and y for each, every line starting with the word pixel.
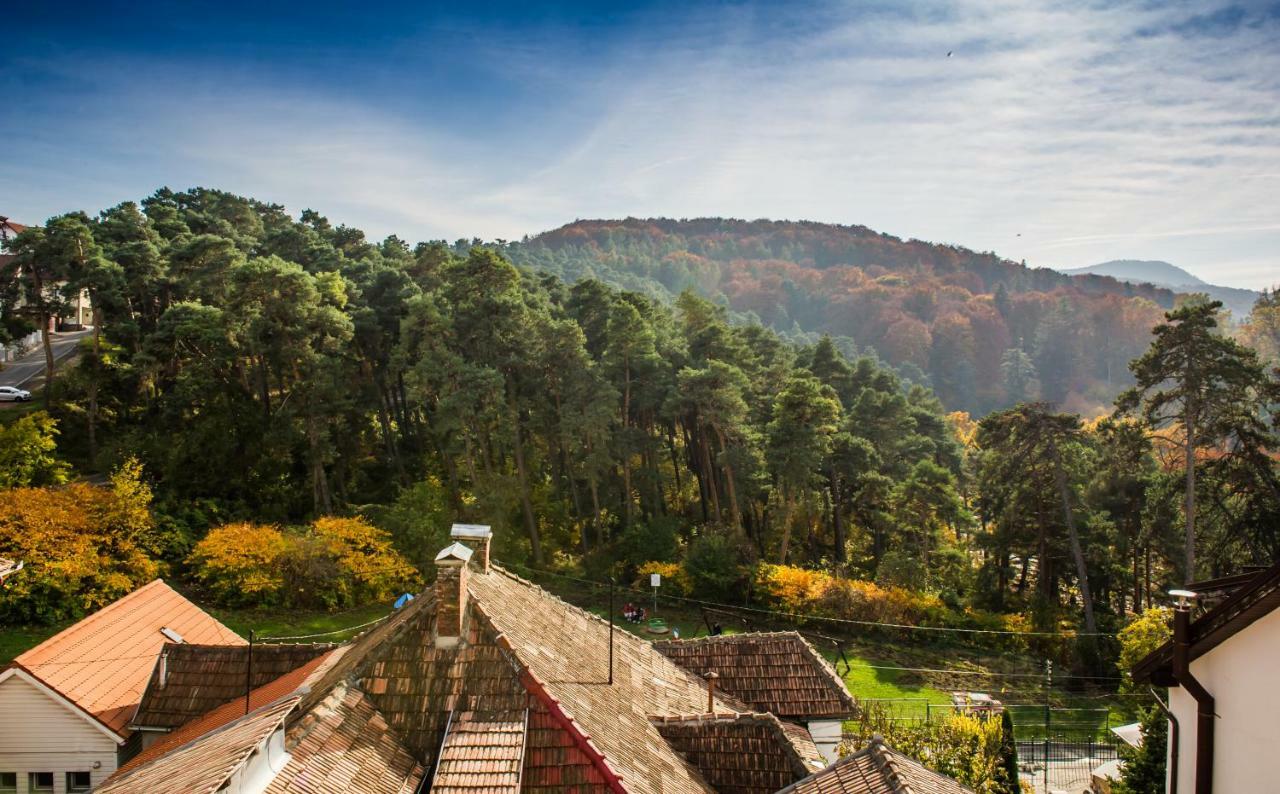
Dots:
pixel 451 595
pixel 475 537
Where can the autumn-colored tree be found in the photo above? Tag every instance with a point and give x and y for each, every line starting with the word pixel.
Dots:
pixel 240 563
pixel 84 546
pixel 365 555
pixel 28 452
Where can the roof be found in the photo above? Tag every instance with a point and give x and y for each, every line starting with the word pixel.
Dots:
pixel 102 663
pixel 778 672
pixel 743 753
pixel 523 703
pixel 199 678
pixel 482 751
pixel 344 744
pixel 226 713
pixel 1246 604
pixel 876 769
pixel 204 765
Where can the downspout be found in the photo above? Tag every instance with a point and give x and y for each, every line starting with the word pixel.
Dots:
pixel 1174 737
pixel 1204 701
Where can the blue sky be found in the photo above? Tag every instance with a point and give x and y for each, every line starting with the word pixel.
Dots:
pixel 1063 133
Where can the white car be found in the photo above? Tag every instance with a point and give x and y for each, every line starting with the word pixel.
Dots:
pixel 14 395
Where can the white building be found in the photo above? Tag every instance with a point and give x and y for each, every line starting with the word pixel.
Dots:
pixel 65 705
pixel 1223 692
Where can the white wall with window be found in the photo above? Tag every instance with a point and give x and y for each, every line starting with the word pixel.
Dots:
pixel 47 745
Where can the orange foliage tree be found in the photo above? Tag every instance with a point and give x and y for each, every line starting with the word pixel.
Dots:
pixel 84 546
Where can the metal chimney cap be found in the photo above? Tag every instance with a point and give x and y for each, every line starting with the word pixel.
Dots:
pixel 470 531
pixel 455 551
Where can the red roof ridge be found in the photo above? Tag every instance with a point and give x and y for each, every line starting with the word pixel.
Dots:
pixel 535 687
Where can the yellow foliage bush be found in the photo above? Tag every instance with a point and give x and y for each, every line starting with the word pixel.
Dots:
pixel 332 563
pixel 674 579
pixel 365 554
pixel 240 563
pixel 84 546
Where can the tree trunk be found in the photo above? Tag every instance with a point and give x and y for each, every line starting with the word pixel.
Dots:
pixel 626 446
pixel 837 527
pixel 1082 571
pixel 788 514
pixel 45 319
pixel 93 383
pixel 526 504
pixel 731 491
pixel 1189 455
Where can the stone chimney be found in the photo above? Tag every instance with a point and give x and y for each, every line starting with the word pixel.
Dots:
pixel 475 537
pixel 451 595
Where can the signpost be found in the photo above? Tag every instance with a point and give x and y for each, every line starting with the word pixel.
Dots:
pixel 655 581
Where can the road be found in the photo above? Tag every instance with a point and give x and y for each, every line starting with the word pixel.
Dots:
pixel 20 370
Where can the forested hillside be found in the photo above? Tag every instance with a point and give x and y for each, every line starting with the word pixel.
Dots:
pixel 983 332
pixel 294 414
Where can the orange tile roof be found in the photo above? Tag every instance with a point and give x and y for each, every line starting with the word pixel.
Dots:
pixel 102 664
pixel 286 684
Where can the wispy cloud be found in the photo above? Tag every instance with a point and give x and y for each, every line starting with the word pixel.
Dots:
pixel 1062 133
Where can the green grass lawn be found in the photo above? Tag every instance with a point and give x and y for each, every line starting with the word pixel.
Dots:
pixel 289 623
pixel 266 623
pixel 15 640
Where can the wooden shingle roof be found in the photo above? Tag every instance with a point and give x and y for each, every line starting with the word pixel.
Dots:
pixel 778 672
pixel 204 765
pixel 742 753
pixel 199 678
pixel 344 744
pixel 482 752
pixel 876 769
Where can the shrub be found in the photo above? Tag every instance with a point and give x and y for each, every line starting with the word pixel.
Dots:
pixel 28 453
pixel 674 579
pixel 1145 767
pixel 335 562
pixel 84 546
pixel 655 539
pixel 714 566
pixel 967 748
pixel 240 563
pixel 364 555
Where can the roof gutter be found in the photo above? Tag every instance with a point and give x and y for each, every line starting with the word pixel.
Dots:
pixel 1204 700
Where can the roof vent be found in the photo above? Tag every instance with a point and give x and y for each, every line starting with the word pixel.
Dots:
pixel 172 635
pixel 477 538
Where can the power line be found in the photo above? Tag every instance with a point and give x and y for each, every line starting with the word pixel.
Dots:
pixel 324 633
pixel 846 621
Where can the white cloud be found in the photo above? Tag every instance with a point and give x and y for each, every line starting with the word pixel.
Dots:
pixel 1056 132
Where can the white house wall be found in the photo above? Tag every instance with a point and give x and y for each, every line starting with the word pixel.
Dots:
pixel 1242 675
pixel 39 734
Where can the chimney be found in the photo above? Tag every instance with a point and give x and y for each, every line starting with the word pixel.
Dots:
pixel 451 594
pixel 163 677
pixel 475 537
pixel 712 677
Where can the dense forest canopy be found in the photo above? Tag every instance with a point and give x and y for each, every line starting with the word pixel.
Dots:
pixel 259 369
pixel 983 332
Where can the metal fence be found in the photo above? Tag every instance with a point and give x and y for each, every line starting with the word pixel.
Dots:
pixel 1063 763
pixel 1058 747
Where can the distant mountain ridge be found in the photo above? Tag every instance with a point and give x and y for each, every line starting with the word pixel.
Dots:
pixel 1163 274
pixel 983 331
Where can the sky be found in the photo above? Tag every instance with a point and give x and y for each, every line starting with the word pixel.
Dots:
pixel 1060 133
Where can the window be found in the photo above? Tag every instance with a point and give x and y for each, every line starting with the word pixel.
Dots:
pixel 40 782
pixel 78 781
pixel 8 783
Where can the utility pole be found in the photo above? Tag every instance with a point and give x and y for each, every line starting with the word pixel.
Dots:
pixel 1048 717
pixel 610 631
pixel 248 674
